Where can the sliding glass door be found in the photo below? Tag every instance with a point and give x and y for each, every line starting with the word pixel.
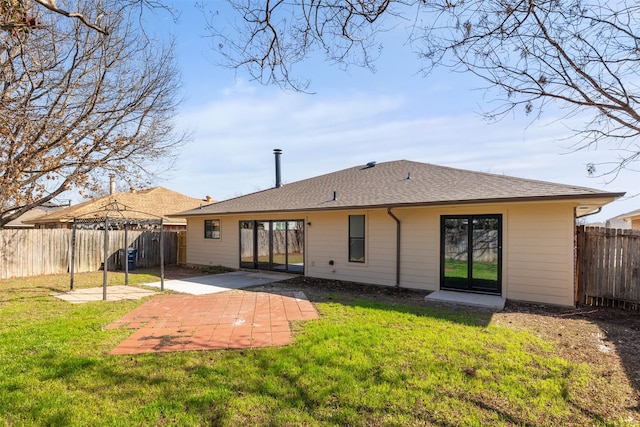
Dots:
pixel 272 245
pixel 471 253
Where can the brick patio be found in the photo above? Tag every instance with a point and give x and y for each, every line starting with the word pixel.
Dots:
pixel 235 319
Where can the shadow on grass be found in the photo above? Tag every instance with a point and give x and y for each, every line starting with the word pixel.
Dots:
pixel 380 297
pixel 296 381
pixel 28 293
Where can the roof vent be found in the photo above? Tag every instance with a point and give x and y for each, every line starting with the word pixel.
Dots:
pixel 278 152
pixel 370 164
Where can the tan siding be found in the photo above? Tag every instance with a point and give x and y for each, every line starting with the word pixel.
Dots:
pixel 223 251
pixel 540 250
pixel 328 240
pixel 537 247
pixel 420 248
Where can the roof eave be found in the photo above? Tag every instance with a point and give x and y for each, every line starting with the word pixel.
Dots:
pixel 609 197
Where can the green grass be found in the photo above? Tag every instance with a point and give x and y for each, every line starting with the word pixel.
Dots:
pixel 363 363
pixel 481 270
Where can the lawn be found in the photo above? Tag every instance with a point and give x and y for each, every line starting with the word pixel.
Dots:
pixel 481 270
pixel 366 362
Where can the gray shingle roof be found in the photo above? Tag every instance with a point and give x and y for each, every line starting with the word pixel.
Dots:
pixel 396 183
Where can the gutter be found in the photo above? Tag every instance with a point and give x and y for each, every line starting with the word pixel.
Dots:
pixel 203 209
pixel 397 285
pixel 590 213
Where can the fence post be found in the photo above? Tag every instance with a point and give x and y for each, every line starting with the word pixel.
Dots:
pixel 72 268
pixel 126 255
pixel 161 254
pixel 579 294
pixel 106 258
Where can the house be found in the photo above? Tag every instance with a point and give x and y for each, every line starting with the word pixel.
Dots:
pixel 152 203
pixel 23 220
pixel 615 222
pixel 406 224
pixel 631 219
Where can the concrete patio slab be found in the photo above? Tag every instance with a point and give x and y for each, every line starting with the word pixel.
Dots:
pixel 214 283
pixel 492 302
pixel 235 319
pixel 114 293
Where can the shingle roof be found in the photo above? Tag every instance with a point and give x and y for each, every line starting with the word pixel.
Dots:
pixel 397 183
pixel 148 204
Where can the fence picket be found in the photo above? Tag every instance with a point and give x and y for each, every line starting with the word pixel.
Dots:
pixel 34 252
pixel 607 267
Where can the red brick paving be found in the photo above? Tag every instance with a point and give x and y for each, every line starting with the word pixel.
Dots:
pixel 237 319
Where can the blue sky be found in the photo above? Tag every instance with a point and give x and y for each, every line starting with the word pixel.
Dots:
pixel 355 117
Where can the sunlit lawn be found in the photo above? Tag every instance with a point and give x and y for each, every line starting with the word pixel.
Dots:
pixel 363 363
pixel 481 270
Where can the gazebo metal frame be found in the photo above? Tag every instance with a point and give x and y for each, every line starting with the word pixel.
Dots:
pixel 116 216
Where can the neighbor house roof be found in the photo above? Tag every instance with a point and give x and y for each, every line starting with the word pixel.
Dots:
pixel 629 216
pixel 23 221
pixel 622 221
pixel 143 204
pixel 402 183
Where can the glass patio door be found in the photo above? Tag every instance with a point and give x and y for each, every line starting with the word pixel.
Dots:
pixel 471 253
pixel 272 245
pixel 247 245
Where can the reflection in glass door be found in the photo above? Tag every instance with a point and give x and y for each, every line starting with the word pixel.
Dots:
pixel 272 245
pixel 247 244
pixel 295 246
pixel 471 254
pixel 279 245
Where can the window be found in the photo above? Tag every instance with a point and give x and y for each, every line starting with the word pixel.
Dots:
pixel 211 228
pixel 356 238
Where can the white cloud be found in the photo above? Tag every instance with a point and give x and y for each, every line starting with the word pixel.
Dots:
pixel 234 137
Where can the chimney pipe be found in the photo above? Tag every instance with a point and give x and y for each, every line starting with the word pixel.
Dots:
pixel 278 152
pixel 112 183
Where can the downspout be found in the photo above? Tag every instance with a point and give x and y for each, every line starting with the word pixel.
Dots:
pixel 397 285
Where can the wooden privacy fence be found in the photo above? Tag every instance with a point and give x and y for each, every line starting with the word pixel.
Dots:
pixel 608 267
pixel 48 251
pixel 485 245
pixel 284 241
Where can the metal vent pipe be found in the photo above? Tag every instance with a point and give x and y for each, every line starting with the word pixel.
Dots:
pixel 278 152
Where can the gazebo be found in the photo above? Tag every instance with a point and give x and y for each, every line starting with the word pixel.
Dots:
pixel 116 216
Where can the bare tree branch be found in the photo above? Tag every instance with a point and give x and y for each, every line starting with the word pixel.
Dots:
pixel 51 5
pixel 76 105
pixel 581 55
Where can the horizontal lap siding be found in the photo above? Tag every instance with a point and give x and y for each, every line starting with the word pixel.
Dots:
pixel 328 240
pixel 537 247
pixel 540 250
pixel 420 248
pixel 223 251
pixel 226 250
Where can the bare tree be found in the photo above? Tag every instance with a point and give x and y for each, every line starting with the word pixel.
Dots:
pixel 76 105
pixel 582 55
pixel 22 15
